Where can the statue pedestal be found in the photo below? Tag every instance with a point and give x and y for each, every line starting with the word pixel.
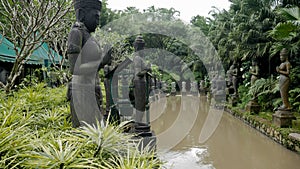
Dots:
pixel 253 107
pixel 283 118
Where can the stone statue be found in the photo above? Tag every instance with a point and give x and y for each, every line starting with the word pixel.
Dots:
pixel 284 79
pixel 194 88
pixel 85 59
pixel 164 86
pixel 252 106
pixel 202 88
pixel 232 72
pixel 183 87
pixel 173 88
pixel 140 70
pixel 254 71
pixel 107 85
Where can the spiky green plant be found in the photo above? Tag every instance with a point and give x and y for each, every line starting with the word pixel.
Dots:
pixel 133 159
pixel 36 132
pixel 108 139
pixel 13 141
pixel 57 153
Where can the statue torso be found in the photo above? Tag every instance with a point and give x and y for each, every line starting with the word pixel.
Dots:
pixel 82 49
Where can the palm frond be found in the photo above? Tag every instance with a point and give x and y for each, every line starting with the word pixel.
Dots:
pixel 291 13
pixel 283 31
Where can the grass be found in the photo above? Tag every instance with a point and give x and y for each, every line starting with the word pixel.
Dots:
pixel 36 132
pixel 265 115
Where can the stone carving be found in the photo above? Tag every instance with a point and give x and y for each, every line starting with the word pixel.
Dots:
pixel 164 86
pixel 84 55
pixel 254 71
pixel 283 116
pixel 284 79
pixel 140 70
pixel 194 88
pixel 183 87
pixel 202 87
pixel 253 106
pixel 232 77
pixel 173 88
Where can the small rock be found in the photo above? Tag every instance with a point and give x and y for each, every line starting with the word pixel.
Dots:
pixel 295 136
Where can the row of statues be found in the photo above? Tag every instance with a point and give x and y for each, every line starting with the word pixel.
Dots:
pixel 284 81
pixel 86 59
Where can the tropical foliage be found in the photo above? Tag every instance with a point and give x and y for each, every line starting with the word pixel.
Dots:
pixel 27 24
pixel 35 132
pixel 256 30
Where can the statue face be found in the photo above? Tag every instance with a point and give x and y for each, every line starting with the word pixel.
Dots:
pixel 91 19
pixel 282 57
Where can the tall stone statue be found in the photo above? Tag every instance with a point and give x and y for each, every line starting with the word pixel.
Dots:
pixel 233 72
pixel 173 88
pixel 85 59
pixel 183 88
pixel 140 70
pixel 254 71
pixel 253 106
pixel 284 79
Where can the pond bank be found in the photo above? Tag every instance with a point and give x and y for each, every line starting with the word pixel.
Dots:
pixel 284 136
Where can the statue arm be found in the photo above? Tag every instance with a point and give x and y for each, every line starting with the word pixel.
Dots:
pixel 74 41
pixel 106 55
pixel 287 72
pixel 255 71
pixel 74 47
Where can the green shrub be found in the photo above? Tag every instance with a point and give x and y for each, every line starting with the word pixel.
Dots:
pixel 36 132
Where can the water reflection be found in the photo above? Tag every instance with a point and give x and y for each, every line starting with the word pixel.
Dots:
pixel 193 156
pixel 232 146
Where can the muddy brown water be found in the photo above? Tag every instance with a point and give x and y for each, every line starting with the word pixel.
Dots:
pixel 179 122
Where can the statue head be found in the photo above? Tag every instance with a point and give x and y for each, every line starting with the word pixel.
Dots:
pixel 88 12
pixel 254 62
pixel 139 43
pixel 283 54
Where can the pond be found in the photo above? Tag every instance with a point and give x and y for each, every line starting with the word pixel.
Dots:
pixel 194 135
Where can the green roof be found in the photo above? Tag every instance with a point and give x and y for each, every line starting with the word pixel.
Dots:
pixel 38 57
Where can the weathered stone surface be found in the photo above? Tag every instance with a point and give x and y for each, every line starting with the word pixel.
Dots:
pixel 282 118
pixel 253 107
pixel 295 136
